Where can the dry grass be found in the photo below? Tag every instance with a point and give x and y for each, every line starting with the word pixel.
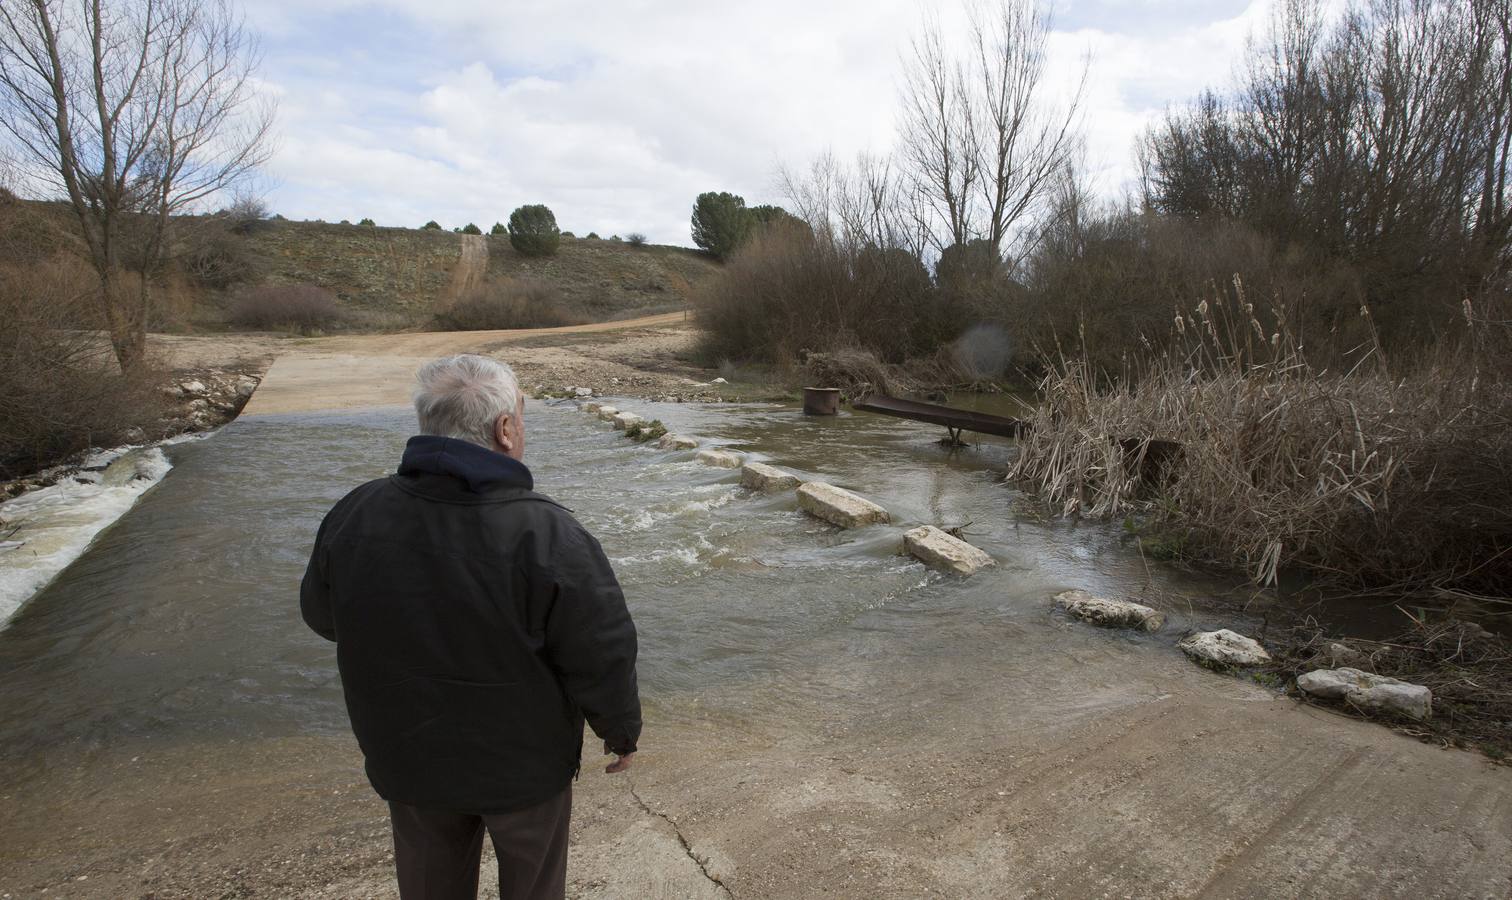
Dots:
pixel 1468 668
pixel 302 308
pixel 1369 477
pixel 60 389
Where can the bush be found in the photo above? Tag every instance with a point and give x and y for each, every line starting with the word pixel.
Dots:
pixel 720 222
pixel 513 303
pixel 60 390
pixel 432 225
pixel 219 259
pixel 615 237
pixel 498 228
pixel 788 291
pixel 533 231
pixel 287 307
pixel 568 234
pixel 369 223
pixel 636 239
pixel 470 228
pixel 592 236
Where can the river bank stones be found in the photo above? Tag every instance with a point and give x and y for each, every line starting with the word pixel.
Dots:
pixel 676 442
pixel 623 421
pixel 838 506
pixel 941 550
pixel 1369 692
pixel 767 479
pixel 1110 613
pixel 1223 649
pixel 722 459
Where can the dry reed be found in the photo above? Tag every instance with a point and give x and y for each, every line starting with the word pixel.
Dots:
pixel 1366 476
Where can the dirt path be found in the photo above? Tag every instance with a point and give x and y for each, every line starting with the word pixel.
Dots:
pixel 643 357
pixel 472 264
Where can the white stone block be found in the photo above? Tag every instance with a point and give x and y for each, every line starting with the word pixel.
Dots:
pixel 624 420
pixel 592 406
pixel 838 506
pixel 723 459
pixel 1367 691
pixel 1110 613
pixel 1223 649
pixel 607 413
pixel 767 479
pixel 940 550
pixel 676 442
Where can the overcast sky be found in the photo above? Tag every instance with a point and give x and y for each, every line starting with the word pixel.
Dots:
pixel 617 114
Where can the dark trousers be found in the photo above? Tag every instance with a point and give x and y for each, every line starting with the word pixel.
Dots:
pixel 438 853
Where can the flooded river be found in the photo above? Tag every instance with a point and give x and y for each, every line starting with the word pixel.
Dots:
pixel 181 623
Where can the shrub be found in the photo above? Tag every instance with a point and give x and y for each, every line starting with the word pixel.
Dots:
pixel 219 259
pixel 470 228
pixel 432 225
pixel 533 231
pixel 720 222
pixel 369 223
pixel 788 291
pixel 247 214
pixel 615 237
pixel 513 303
pixel 636 239
pixel 60 390
pixel 592 236
pixel 568 234
pixel 498 228
pixel 287 307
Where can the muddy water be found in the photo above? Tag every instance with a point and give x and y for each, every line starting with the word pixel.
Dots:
pixel 181 623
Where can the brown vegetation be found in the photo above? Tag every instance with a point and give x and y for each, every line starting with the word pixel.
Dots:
pixel 303 308
pixel 60 388
pixel 512 303
pixel 1375 477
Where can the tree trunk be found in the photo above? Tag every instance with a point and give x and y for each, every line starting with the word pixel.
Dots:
pixel 125 320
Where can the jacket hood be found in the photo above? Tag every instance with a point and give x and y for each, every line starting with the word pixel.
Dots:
pixel 479 467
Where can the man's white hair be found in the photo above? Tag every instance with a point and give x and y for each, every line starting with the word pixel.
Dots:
pixel 463 396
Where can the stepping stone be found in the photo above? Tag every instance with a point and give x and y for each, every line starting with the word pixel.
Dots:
pixel 838 506
pixel 591 407
pixel 607 413
pixel 1110 613
pixel 767 479
pixel 1223 649
pixel 723 459
pixel 624 420
pixel 1369 692
pixel 939 549
pixel 676 442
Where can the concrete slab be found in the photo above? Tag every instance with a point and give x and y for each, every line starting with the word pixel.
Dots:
pixel 838 506
pixel 767 479
pixel 940 550
pixel 723 459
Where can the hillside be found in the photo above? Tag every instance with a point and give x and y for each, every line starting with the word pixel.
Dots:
pixel 410 274
pixel 389 278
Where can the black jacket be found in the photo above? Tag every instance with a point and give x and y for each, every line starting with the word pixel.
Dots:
pixel 476 625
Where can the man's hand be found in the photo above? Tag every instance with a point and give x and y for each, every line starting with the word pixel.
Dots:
pixel 620 764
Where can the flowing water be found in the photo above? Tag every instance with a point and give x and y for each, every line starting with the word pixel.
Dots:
pixel 181 623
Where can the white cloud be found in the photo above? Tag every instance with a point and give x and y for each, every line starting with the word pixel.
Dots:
pixel 618 114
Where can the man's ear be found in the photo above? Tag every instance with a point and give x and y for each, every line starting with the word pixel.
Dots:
pixel 501 433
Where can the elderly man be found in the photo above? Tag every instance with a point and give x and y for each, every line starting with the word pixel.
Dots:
pixel 476 625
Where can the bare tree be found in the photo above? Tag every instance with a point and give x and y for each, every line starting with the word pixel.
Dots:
pixel 136 111
pixel 981 138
